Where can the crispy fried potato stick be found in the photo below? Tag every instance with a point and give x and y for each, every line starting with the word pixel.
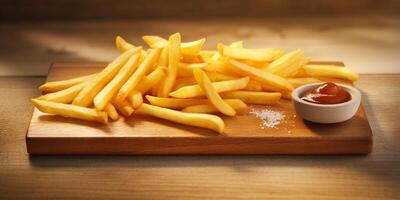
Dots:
pixel 188 48
pixel 254 86
pixel 124 107
pixel 237 44
pixel 217 66
pixel 122 45
pixel 175 103
pixel 86 95
pixel 192 119
pixel 55 86
pixel 211 93
pixel 294 68
pixel 221 86
pixel 111 112
pixel 151 80
pixel 284 62
pixel 72 111
pixel 141 71
pixel 297 82
pixel 173 60
pixel 185 69
pixel 263 98
pixel 64 96
pixel 260 55
pixel 236 104
pixel 136 99
pixel 330 71
pixel 104 97
pixel 261 75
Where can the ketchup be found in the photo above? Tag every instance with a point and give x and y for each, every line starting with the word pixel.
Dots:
pixel 327 93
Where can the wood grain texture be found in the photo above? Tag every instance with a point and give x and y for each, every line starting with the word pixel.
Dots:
pixel 375 176
pixel 243 134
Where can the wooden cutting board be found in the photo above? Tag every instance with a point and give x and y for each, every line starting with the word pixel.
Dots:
pixel 48 134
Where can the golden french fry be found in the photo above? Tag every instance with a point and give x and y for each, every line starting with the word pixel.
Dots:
pixel 185 81
pixel 221 86
pixel 262 76
pixel 185 69
pixel 297 66
pixel 64 96
pixel 72 111
pixel 124 107
pixel 122 45
pixel 254 86
pixel 141 71
pixel 236 104
pixel 86 95
pixel 174 103
pixel 250 97
pixel 217 56
pixel 151 80
pixel 211 93
pixel 192 48
pixel 111 112
pixel 330 71
pixel 297 82
pixel 284 62
pixel 188 48
pixel 192 119
pixel 261 55
pixel 207 53
pixel 55 86
pixel 173 60
pixel 104 97
pixel 190 58
pixel 217 66
pixel 163 60
pixel 136 99
pixel 155 41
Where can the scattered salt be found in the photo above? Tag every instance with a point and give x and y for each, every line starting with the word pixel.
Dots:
pixel 270 118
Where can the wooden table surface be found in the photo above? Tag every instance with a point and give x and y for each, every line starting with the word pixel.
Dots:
pixel 374 176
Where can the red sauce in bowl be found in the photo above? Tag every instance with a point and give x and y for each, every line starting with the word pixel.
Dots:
pixel 327 93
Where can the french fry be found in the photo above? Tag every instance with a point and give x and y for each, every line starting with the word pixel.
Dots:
pixel 221 86
pixel 254 86
pixel 250 97
pixel 104 97
pixel 111 112
pixel 237 44
pixel 236 104
pixel 136 99
pixel 188 48
pixel 174 103
pixel 190 58
pixel 124 107
pixel 155 41
pixel 208 53
pixel 211 93
pixel 217 66
pixel 173 60
pixel 55 86
pixel 291 71
pixel 297 82
pixel 141 71
pixel 185 69
pixel 287 60
pixel 262 76
pixel 185 81
pixel 151 80
pixel 86 95
pixel 192 48
pixel 122 45
pixel 330 71
pixel 260 55
pixel 64 96
pixel 162 62
pixel 72 111
pixel 192 119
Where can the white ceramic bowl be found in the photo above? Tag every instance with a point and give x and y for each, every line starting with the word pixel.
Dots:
pixel 326 113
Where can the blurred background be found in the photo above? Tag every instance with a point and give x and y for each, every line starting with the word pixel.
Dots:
pixel 364 34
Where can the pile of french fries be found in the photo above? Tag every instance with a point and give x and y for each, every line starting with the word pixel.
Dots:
pixel 180 82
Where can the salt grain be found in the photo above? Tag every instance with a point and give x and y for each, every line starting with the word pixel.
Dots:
pixel 270 118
